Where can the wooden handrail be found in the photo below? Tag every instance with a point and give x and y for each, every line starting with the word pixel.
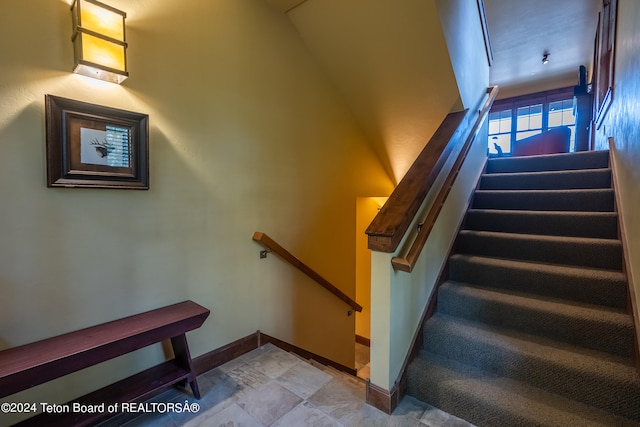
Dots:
pixel 271 245
pixel 391 223
pixel 407 264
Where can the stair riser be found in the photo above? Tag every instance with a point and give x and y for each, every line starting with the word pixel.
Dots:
pixel 576 200
pixel 606 254
pixel 547 181
pixel 604 226
pixel 587 387
pixel 587 160
pixel 607 292
pixel 596 334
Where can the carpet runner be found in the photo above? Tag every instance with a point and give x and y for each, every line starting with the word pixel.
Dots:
pixel 532 327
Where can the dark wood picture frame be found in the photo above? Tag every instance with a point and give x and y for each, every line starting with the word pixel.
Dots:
pixel 93 146
pixel 604 60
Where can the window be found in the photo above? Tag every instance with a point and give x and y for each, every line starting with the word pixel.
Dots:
pixel 529 121
pixel 500 132
pixel 518 118
pixel 561 114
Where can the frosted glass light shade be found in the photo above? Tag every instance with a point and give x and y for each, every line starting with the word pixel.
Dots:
pixel 99 41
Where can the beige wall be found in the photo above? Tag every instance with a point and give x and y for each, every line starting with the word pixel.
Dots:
pixel 621 124
pixel 366 210
pixel 462 30
pixel 246 134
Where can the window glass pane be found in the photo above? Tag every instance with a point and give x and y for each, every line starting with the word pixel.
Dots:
pixel 505 124
pixel 500 122
pixel 567 117
pixel 555 118
pixel 494 127
pixel 523 122
pixel 500 141
pixel 530 117
pixel 535 121
pixel 535 109
pixel 561 113
pixel 527 134
pixel 555 105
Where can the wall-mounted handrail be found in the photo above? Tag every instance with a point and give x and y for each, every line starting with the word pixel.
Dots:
pixel 407 263
pixel 271 245
pixel 391 223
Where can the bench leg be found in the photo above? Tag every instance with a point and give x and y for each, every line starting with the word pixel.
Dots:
pixel 183 358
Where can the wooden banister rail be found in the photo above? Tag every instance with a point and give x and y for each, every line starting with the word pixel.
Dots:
pixel 271 245
pixel 391 223
pixel 408 263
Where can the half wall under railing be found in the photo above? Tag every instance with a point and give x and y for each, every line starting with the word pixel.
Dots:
pixel 407 264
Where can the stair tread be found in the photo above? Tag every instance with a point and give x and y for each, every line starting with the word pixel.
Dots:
pixel 586 200
pixel 580 284
pixel 548 213
pixel 544 237
pixel 554 352
pixel 568 250
pixel 593 379
pixel 590 326
pixel 549 223
pixel 543 304
pixel 550 172
pixel 482 398
pixel 562 161
pixel 562 191
pixel 541 180
pixel 596 273
pixel 596 327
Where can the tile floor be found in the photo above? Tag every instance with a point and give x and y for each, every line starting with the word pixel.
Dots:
pixel 362 361
pixel 271 387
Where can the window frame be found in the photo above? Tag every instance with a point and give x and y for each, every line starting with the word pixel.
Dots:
pixel 545 98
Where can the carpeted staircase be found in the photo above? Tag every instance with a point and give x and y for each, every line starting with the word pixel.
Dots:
pixel 532 327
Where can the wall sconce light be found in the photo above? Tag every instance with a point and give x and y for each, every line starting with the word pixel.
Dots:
pixel 99 41
pixel 545 57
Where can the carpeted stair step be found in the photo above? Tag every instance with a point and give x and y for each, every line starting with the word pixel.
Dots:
pixel 550 162
pixel 593 200
pixel 489 401
pixel 602 225
pixel 591 286
pixel 532 327
pixel 605 382
pixel 578 251
pixel 595 327
pixel 548 180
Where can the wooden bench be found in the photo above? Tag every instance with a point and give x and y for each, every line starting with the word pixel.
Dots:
pixel 36 363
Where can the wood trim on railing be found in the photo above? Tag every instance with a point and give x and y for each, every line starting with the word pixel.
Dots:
pixel 391 223
pixel 408 263
pixel 271 245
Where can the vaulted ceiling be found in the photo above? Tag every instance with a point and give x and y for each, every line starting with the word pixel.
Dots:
pixel 389 59
pixel 390 62
pixel 522 31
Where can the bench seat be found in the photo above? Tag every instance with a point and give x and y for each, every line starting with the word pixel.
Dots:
pixel 32 364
